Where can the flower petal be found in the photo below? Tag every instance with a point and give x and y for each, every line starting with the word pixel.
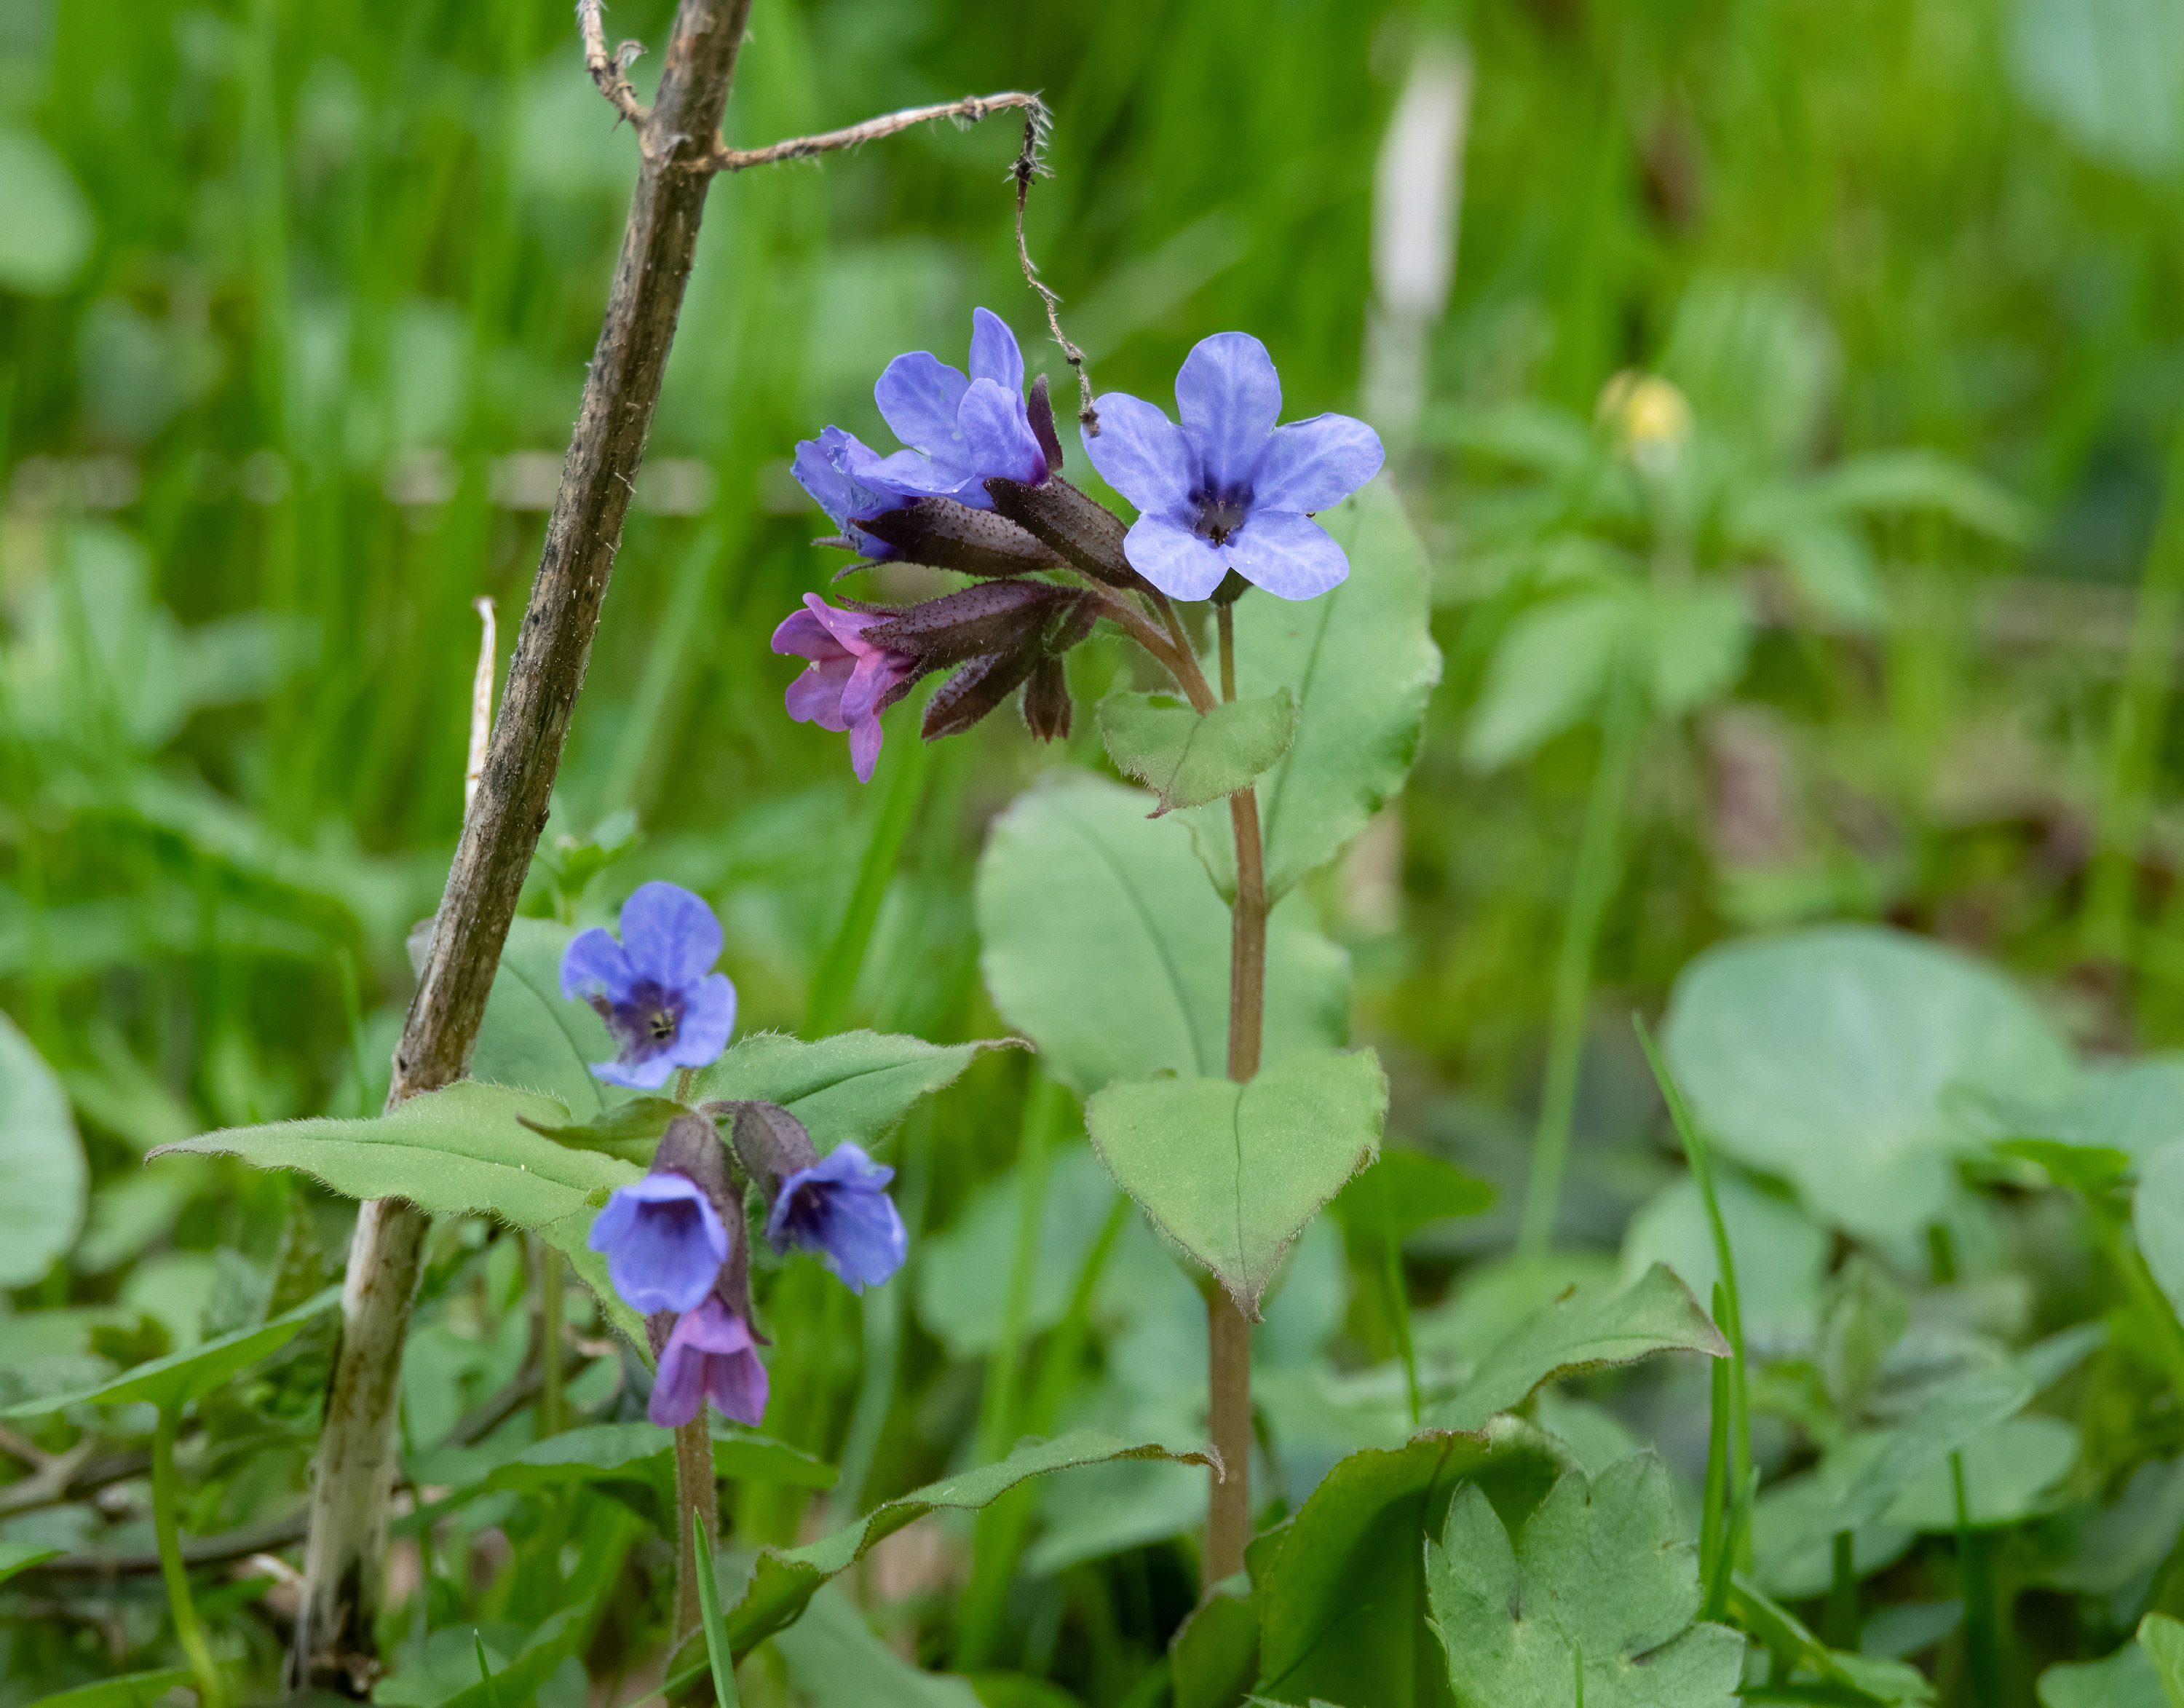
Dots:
pixel 1172 558
pixel 1316 464
pixel 637 1076
pixel 995 439
pixel 593 963
pixel 1289 554
pixel 802 635
pixel 1230 399
pixel 915 474
pixel 708 1016
pixel 816 697
pixel 1141 454
pixel 994 352
pixel 919 394
pixel 668 934
pixel 736 1382
pixel 678 1391
pixel 864 737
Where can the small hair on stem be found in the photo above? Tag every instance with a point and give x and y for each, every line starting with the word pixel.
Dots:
pixel 1028 166
pixel 969 111
pixel 608 70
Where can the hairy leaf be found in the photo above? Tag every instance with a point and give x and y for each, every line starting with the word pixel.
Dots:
pixel 1594 1601
pixel 853 1087
pixel 1189 758
pixel 1103 942
pixel 1231 1172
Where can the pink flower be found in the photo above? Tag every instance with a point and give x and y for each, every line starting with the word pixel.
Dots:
pixel 710 1355
pixel 849 683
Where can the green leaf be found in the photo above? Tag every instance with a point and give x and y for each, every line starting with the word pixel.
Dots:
pixel 518 1682
pixel 1549 671
pixel 835 1660
pixel 1863 1475
pixel 854 1086
pixel 43 1179
pixel 2162 1637
pixel 532 1037
pixel 718 1654
pixel 2105 72
pixel 2157 1217
pixel 1836 1058
pixel 2084 1167
pixel 785 1580
pixel 1187 758
pixel 1343 1601
pixel 21 1556
pixel 1696 642
pixel 1105 945
pixel 603 1452
pixel 1587 1329
pixel 1406 1190
pixel 171 1382
pixel 462 1151
pixel 2012 1469
pixel 1363 664
pixel 1596 1599
pixel 1878 482
pixel 48 234
pixel 1780 1254
pixel 2126 1679
pixel 130 1690
pixel 629 1131
pixel 1231 1174
pixel 1214 1654
pixel 1892 1684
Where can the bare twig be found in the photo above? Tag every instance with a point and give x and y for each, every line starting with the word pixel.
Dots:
pixel 607 69
pixel 1027 166
pixel 345 1560
pixel 481 703
pixel 970 109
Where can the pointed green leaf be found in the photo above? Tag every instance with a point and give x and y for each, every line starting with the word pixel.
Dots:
pixel 130 1690
pixel 718 1654
pixel 1188 758
pixel 1547 675
pixel 2126 1679
pixel 1406 1190
pixel 2012 1472
pixel 44 1183
pixel 1889 1683
pixel 784 1579
pixel 21 1556
pixel 1838 1058
pixel 1214 1654
pixel 532 1037
pixel 1343 1598
pixel 1230 1173
pixel 1363 664
pixel 2157 1216
pixel 1597 1597
pixel 835 1660
pixel 1104 943
pixel 855 1086
pixel 1586 1329
pixel 629 1132
pixel 603 1452
pixel 173 1382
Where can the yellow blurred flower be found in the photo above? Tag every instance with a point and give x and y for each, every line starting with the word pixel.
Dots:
pixel 1652 418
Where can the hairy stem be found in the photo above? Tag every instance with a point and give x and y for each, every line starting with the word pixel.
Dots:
pixel 211 1693
pixel 697 1493
pixel 345 1560
pixel 1598 861
pixel 1229 1334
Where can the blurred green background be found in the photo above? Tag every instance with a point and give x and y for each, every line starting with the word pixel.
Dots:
pixel 295 303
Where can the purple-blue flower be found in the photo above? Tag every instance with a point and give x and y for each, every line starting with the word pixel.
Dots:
pixel 850 682
pixel 655 989
pixel 961 431
pixel 839 1208
pixel 663 1240
pixel 838 469
pixel 710 1355
pixel 1228 488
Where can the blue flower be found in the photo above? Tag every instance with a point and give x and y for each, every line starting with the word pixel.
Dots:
pixel 654 988
pixel 961 431
pixel 1228 488
pixel 839 1208
pixel 664 1243
pixel 838 469
pixel 710 1355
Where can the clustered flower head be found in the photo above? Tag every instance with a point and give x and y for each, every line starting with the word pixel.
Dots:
pixel 1228 492
pixel 678 1241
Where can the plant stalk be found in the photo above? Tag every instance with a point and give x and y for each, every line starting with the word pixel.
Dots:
pixel 211 1693
pixel 1228 1333
pixel 1598 866
pixel 697 1496
pixel 345 1557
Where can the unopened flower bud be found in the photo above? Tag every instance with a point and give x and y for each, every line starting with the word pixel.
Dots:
pixel 1040 408
pixel 1046 705
pixel 975 690
pixel 996 616
pixel 944 534
pixel 1082 529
